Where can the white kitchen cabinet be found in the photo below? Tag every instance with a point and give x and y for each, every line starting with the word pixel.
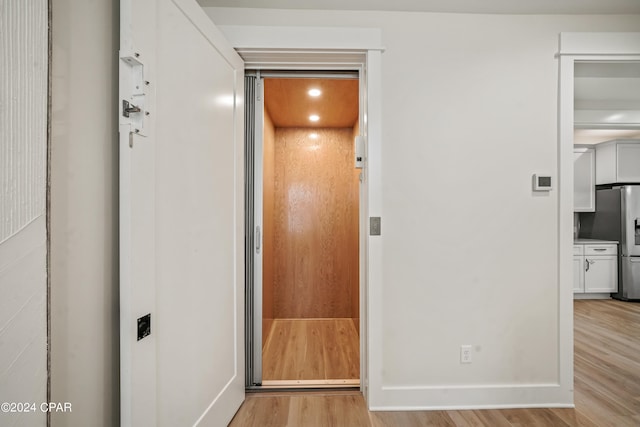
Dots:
pixel 595 268
pixel 618 161
pixel 584 184
pixel 601 273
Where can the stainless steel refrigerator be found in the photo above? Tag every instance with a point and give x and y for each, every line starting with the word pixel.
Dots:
pixel 617 217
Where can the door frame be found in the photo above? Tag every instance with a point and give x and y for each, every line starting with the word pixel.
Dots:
pixel 576 47
pixel 254 154
pixel 331 49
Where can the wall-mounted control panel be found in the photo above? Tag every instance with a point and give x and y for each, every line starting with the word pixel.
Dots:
pixel 542 182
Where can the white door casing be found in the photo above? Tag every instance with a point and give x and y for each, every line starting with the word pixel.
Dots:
pixel 181 217
pixel 576 47
pixel 331 49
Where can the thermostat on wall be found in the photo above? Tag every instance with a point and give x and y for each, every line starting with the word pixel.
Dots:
pixel 541 182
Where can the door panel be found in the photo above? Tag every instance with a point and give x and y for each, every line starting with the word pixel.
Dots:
pixel 602 274
pixel 182 210
pixel 629 287
pixel 631 220
pixel 628 158
pixel 259 246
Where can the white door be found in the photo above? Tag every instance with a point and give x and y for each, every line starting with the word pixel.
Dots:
pixel 181 217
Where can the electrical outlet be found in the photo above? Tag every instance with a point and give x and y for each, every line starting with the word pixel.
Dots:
pixel 465 354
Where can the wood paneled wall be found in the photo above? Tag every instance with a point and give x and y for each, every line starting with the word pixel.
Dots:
pixel 315 253
pixel 268 224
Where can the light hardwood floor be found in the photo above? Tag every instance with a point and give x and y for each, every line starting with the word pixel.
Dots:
pixel 607 387
pixel 311 350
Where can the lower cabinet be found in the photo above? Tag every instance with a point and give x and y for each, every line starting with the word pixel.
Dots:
pixel 595 268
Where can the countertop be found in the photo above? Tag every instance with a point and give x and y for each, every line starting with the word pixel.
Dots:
pixel 594 242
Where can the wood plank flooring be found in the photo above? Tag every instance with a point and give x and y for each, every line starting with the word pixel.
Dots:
pixel 607 387
pixel 311 349
pixel 607 361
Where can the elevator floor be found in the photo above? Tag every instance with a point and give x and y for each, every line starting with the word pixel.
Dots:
pixel 311 352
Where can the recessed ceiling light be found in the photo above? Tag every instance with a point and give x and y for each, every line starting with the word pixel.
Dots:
pixel 313 136
pixel 315 92
pixel 314 117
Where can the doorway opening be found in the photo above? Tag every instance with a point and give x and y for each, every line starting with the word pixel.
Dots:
pixel 304 313
pixel 605 117
pixel 592 110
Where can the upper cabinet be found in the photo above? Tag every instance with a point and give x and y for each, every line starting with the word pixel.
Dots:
pixel 584 171
pixel 618 161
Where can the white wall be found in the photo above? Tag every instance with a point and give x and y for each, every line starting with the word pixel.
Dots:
pixel 84 213
pixel 23 168
pixel 469 252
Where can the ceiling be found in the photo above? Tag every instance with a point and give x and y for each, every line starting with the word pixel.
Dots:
pixel 526 7
pixel 289 104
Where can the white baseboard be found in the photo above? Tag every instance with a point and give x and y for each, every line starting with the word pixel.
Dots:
pixel 592 296
pixel 427 398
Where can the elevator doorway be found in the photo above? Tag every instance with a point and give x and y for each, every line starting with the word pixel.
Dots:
pixel 304 320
